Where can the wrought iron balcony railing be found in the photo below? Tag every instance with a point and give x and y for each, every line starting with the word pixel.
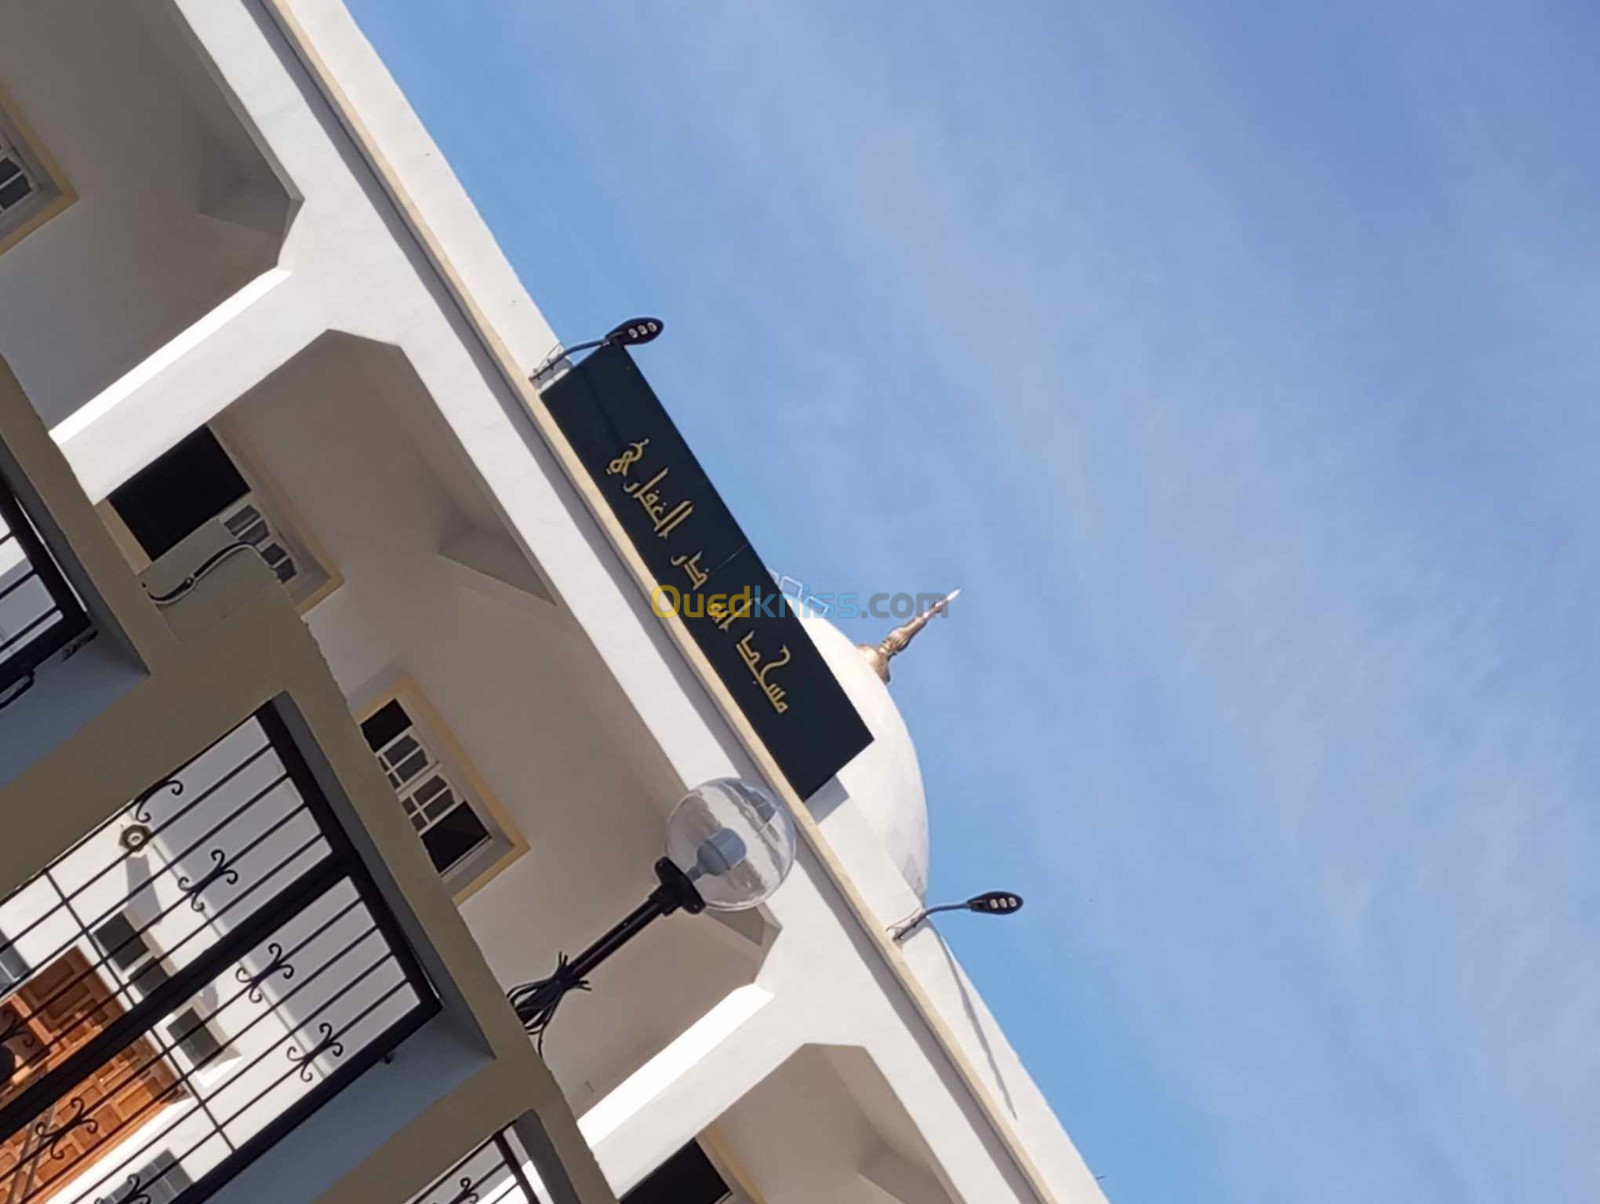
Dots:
pixel 39 612
pixel 191 981
pixel 494 1173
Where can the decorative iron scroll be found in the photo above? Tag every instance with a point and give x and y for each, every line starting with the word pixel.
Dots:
pixel 195 991
pixel 279 964
pixel 494 1173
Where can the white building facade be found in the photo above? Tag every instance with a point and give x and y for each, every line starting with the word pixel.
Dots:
pixel 335 705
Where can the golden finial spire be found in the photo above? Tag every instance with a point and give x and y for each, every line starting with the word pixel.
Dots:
pixel 879 655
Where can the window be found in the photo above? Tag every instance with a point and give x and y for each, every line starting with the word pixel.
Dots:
pixel 686 1178
pixel 159 1181
pixel 446 809
pixel 16 182
pixel 194 1037
pixel 247 524
pixel 137 960
pixel 197 481
pixel 28 192
pixel 131 953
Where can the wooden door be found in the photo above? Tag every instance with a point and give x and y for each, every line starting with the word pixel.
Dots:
pixel 65 1006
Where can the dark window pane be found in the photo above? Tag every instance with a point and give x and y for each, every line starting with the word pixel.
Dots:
pixel 686 1178
pixel 413 762
pixel 384 724
pixel 159 1181
pixel 252 532
pixel 119 941
pixel 400 749
pixel 149 976
pixel 13 191
pixel 428 791
pixel 174 496
pixel 8 168
pixel 437 807
pixel 280 562
pixel 191 1035
pixel 453 837
pixel 243 520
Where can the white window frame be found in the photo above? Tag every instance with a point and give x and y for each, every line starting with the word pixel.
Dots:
pixel 412 765
pixel 50 194
pixel 315 576
pixel 446 760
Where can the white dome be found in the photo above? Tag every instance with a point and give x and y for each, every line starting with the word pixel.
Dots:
pixel 884 781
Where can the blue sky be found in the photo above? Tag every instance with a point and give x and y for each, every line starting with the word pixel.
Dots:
pixel 1240 362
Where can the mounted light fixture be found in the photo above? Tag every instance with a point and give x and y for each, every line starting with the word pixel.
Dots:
pixel 633 333
pixel 990 903
pixel 134 837
pixel 729 847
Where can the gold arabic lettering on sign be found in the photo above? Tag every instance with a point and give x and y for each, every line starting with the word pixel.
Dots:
pixel 635 453
pixel 647 495
pixel 664 519
pixel 752 661
pixel 721 614
pixel 691 566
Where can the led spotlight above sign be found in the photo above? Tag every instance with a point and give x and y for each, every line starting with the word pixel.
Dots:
pixel 705 570
pixel 634 331
pixel 995 903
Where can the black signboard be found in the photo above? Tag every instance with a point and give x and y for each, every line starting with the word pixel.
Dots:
pixel 704 568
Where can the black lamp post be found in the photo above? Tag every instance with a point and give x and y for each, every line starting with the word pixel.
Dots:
pixel 632 333
pixel 990 903
pixel 729 846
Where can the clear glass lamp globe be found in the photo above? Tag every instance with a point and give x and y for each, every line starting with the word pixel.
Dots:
pixel 733 840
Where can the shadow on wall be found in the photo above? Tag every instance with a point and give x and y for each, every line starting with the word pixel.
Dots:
pixel 827 1125
pixel 174 207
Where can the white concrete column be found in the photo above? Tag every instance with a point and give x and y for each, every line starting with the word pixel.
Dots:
pixel 664 1104
pixel 191 379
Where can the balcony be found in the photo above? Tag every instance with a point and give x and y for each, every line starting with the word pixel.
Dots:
pixel 193 980
pixel 39 612
pixel 441 607
pixel 499 1171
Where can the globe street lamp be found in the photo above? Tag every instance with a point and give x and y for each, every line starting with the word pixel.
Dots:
pixel 729 846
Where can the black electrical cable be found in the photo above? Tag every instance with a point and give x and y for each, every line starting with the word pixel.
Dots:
pixel 194 578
